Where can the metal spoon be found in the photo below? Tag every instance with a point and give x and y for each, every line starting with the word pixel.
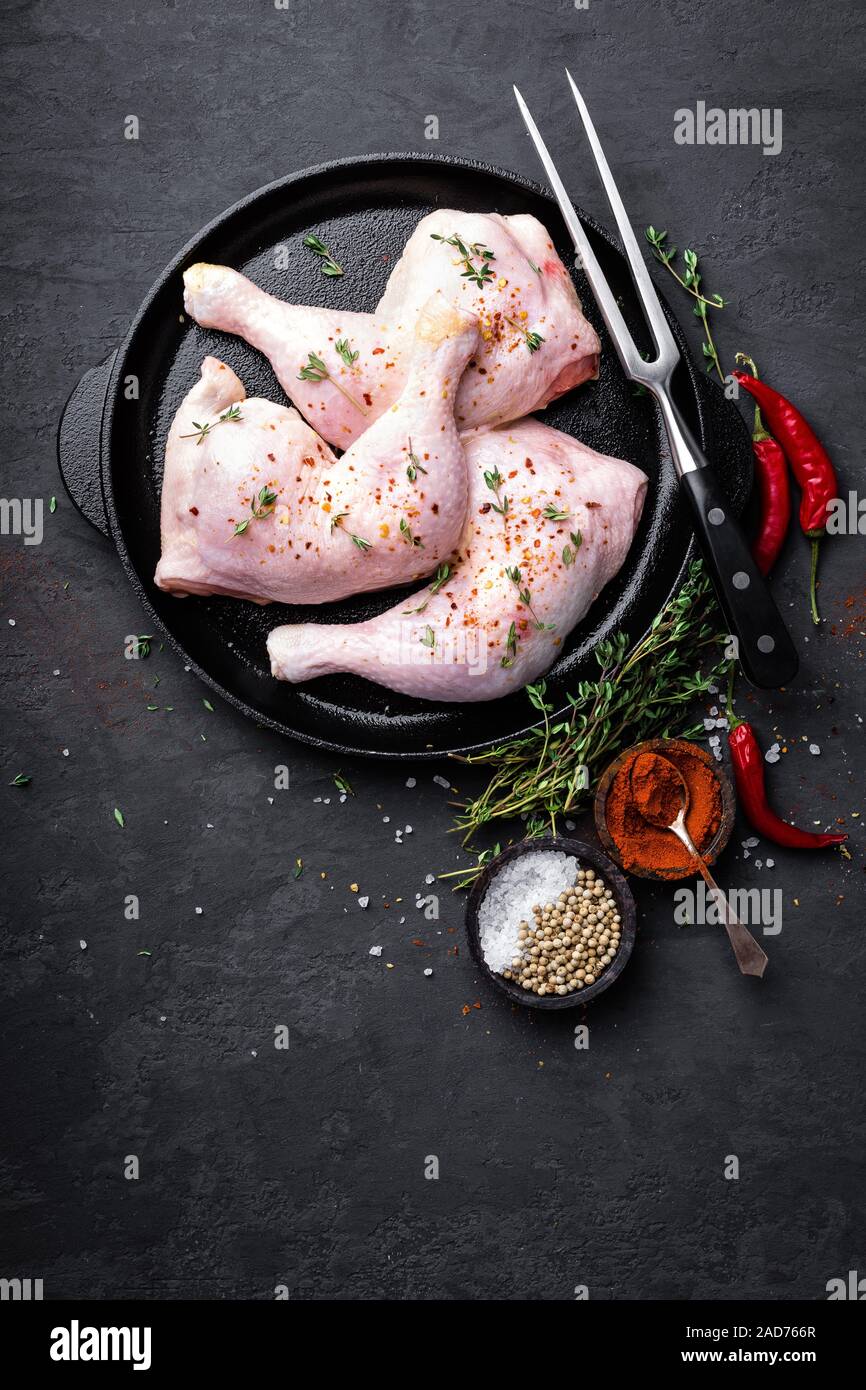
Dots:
pixel 751 959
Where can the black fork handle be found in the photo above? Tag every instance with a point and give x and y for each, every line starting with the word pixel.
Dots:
pixel 764 647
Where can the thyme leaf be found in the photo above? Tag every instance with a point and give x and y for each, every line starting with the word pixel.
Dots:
pixel 329 266
pixel 443 574
pixel 406 533
pixel 414 466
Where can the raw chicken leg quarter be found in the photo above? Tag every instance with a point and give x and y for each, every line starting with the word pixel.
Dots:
pixel 549 524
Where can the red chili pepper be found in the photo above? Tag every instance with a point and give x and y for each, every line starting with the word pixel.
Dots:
pixel 773 488
pixel 748 766
pixel 775 495
pixel 810 463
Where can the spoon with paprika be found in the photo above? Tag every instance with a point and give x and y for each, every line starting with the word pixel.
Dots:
pixel 661 795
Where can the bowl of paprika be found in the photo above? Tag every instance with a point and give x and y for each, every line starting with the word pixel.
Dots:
pixel 651 851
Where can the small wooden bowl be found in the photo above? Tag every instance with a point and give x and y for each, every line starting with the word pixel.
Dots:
pixel 664 745
pixel 590 858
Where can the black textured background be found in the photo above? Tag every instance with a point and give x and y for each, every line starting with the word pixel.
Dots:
pixel 305 1168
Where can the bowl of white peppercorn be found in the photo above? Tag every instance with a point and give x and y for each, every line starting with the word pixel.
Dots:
pixel 551 922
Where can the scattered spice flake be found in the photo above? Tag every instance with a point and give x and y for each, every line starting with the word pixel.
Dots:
pixel 208 706
pixel 298 869
pixel 342 785
pixel 21 780
pixel 118 816
pixel 52 505
pixel 145 953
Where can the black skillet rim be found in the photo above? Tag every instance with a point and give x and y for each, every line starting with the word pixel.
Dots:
pixel 117 370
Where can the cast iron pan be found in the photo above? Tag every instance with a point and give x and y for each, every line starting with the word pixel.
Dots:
pixel 111 444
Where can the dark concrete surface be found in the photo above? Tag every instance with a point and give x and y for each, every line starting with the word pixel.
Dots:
pixel 305 1167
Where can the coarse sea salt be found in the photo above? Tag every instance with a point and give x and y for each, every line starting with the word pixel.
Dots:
pixel 536 877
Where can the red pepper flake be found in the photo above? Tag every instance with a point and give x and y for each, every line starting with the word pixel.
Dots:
pixel 368 398
pixel 376 352
pixel 416 941
pixel 194 511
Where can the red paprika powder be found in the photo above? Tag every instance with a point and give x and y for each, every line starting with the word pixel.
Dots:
pixel 646 847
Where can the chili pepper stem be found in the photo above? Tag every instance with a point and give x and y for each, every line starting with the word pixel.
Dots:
pixel 729 708
pixel 813 581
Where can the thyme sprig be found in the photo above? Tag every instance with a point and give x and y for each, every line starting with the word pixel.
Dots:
pixel 260 507
pixel 569 552
pixel 510 647
pixel 479 275
pixel 358 541
pixel 691 283
pixel 314 369
pixel 414 466
pixel 407 536
pixel 202 431
pixel 329 266
pixel 553 513
pixel 526 599
pixel 443 574
pixel 643 690
pixel 533 340
pixel 494 480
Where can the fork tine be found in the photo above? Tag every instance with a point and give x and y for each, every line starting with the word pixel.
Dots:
pixel 626 351
pixel 650 300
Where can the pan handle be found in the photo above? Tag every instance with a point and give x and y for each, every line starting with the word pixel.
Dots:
pixel 79 443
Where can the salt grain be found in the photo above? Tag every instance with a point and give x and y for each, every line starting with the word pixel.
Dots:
pixel 536 877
